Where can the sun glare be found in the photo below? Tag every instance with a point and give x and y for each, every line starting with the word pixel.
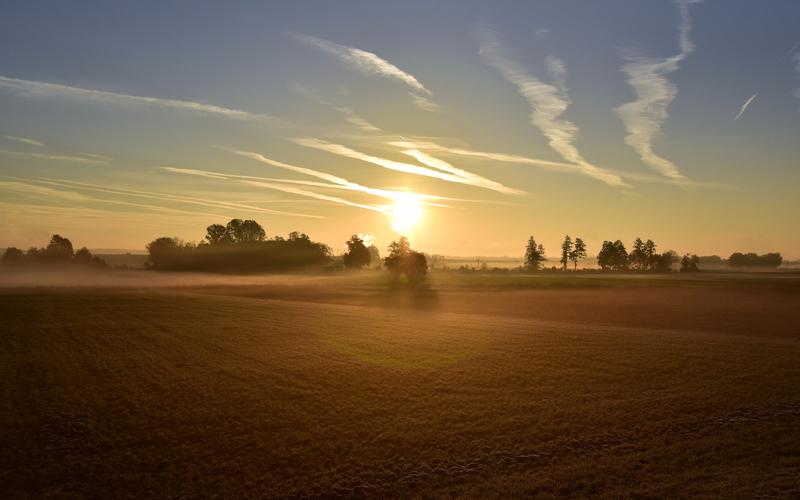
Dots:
pixel 405 214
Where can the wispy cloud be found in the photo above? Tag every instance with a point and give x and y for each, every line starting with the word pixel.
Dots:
pixel 548 102
pixel 745 105
pixel 97 157
pixel 74 197
pixel 408 168
pixel 562 167
pixel 233 206
pixel 25 140
pixel 27 188
pixel 350 116
pixel 502 157
pixel 44 89
pixel 411 150
pixel 42 156
pixel 797 72
pixel 314 194
pixel 336 182
pixel 362 61
pixel 794 47
pixel 278 185
pixel 654 93
pixel 425 103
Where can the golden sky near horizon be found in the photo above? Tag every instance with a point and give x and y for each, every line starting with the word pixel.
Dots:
pixel 466 127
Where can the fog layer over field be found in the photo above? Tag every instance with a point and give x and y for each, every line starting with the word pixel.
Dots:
pixel 135 279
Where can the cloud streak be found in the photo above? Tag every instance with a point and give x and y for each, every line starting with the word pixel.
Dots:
pixel 31 88
pixel 279 185
pixel 25 140
pixel 26 188
pixel 408 168
pixel 558 166
pixel 547 102
pixel 71 196
pixel 745 106
pixel 424 103
pixel 644 117
pixel 362 61
pixel 41 156
pixel 171 197
pixel 411 150
pixel 484 155
pixel 350 116
pixel 797 72
pixel 336 182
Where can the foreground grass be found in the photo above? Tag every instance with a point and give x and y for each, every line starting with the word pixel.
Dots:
pixel 175 393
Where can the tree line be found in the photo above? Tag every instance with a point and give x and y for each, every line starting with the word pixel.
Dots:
pixel 59 251
pixel 643 257
pixel 243 246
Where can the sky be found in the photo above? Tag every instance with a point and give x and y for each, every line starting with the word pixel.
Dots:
pixel 466 126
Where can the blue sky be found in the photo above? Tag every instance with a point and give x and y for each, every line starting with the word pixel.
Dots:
pixel 494 120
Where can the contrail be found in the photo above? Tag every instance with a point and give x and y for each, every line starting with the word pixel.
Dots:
pixel 25 140
pixel 745 105
pixel 362 61
pixel 654 93
pixel 547 102
pixel 409 168
pixel 45 89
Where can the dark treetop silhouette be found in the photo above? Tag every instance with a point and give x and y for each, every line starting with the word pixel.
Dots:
pixel 58 252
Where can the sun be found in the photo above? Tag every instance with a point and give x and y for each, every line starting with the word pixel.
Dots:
pixel 405 214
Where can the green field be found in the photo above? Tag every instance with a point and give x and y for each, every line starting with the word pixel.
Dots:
pixel 329 386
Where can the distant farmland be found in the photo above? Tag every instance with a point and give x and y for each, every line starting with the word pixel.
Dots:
pixel 346 387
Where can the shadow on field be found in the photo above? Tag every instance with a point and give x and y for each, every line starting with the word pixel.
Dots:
pixel 419 297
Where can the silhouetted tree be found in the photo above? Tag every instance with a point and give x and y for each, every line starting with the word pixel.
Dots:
pixel 613 256
pixel 566 250
pixel 34 253
pixel 643 256
pixel 578 252
pixel 399 248
pixel 711 260
pixel 247 231
pixel 534 255
pixel 59 249
pixel 217 233
pixel 296 236
pixel 13 256
pixel 689 263
pixel 662 263
pixel 245 249
pixel 738 259
pixel 374 256
pixel 357 255
pixel 164 252
pixel 83 256
pixel 403 260
pixel 637 257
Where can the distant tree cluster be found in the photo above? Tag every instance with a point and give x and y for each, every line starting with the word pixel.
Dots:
pixel 58 252
pixel 534 255
pixel 358 254
pixel 643 257
pixel 572 252
pixel 754 260
pixel 690 263
pixel 613 256
pixel 403 261
pixel 239 246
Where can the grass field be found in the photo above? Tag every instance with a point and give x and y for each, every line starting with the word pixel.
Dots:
pixel 327 386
